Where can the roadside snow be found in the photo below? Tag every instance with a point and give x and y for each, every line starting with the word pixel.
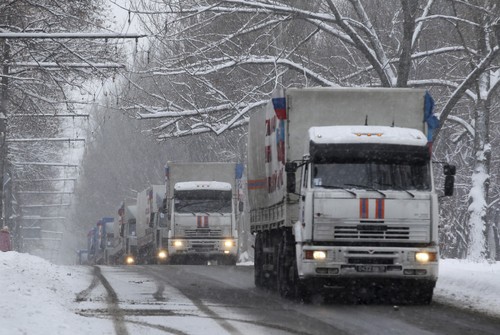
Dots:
pixel 38 297
pixel 469 285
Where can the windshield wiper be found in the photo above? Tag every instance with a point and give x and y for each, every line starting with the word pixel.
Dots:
pixel 399 188
pixel 338 188
pixel 368 188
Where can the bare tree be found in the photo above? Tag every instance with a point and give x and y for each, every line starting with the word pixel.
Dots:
pixel 43 76
pixel 213 62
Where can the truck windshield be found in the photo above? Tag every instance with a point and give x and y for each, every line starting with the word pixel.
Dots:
pixel 206 201
pixel 380 176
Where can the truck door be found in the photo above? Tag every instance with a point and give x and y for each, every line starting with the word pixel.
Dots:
pixel 304 177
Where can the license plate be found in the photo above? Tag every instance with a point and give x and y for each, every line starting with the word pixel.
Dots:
pixel 370 268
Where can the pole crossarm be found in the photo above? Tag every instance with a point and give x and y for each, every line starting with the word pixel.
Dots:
pixel 43 218
pixel 66 65
pixel 82 35
pixel 40 180
pixel 62 139
pixel 41 206
pixel 49 115
pixel 45 164
pixel 43 192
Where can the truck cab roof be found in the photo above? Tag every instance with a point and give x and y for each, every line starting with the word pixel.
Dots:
pixel 202 185
pixel 367 134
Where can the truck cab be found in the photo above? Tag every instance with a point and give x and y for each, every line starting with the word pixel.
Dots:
pixel 368 210
pixel 203 223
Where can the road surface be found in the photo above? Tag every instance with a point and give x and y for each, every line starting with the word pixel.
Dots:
pixel 194 299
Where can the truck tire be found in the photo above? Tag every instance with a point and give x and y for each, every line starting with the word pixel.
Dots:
pixel 258 262
pixel 285 273
pixel 300 289
pixel 289 285
pixel 423 294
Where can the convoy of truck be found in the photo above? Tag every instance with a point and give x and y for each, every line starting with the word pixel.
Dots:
pixel 194 217
pixel 340 191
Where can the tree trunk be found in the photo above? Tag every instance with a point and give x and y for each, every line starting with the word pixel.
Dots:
pixel 478 195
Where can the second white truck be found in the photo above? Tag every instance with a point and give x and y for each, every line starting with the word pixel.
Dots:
pixel 203 212
pixel 147 234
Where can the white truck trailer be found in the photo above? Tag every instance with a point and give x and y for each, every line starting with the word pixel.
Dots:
pixel 203 211
pixel 127 217
pixel 150 226
pixel 341 192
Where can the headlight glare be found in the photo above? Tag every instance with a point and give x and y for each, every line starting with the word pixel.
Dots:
pixel 228 243
pixel 162 254
pixel 319 255
pixel 425 256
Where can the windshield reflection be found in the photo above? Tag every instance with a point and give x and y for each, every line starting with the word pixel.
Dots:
pixel 381 176
pixel 206 201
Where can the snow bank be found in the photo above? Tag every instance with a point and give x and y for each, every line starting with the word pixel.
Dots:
pixel 471 285
pixel 38 297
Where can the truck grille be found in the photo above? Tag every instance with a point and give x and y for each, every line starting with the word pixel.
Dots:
pixel 364 260
pixel 372 257
pixel 203 232
pixel 203 246
pixel 377 232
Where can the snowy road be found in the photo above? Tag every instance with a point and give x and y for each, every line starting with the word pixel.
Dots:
pixel 224 300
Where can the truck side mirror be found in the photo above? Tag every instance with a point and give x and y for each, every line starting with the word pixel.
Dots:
pixel 164 208
pixel 290 167
pixel 290 182
pixel 449 170
pixel 240 206
pixel 449 184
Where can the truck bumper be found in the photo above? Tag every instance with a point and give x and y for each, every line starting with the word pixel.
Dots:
pixel 203 247
pixel 373 263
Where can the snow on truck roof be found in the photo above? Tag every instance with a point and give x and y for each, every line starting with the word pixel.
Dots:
pixel 367 134
pixel 202 185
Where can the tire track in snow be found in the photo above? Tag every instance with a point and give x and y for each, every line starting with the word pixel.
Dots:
pixel 83 295
pixel 112 300
pixel 202 307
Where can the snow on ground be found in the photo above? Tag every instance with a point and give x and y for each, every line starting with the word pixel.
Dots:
pixel 38 297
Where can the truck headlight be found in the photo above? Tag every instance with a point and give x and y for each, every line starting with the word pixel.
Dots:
pixel 229 243
pixel 425 256
pixel 129 260
pixel 319 255
pixel 177 243
pixel 162 254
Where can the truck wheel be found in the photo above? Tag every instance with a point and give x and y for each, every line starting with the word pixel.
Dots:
pixel 285 269
pixel 258 262
pixel 423 295
pixel 300 290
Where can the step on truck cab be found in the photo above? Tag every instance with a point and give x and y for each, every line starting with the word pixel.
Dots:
pixel 341 192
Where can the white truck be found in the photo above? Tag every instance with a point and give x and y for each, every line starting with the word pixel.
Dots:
pixel 148 236
pixel 127 218
pixel 203 211
pixel 341 192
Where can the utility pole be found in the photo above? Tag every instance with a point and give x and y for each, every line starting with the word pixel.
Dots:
pixel 6 63
pixel 3 128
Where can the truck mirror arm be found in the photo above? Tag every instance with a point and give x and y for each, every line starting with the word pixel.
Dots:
pixel 291 167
